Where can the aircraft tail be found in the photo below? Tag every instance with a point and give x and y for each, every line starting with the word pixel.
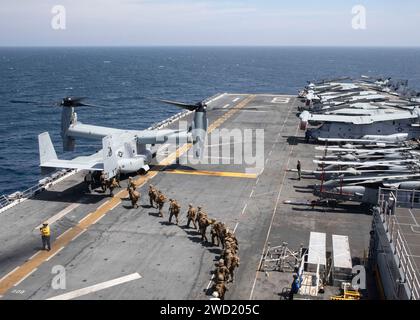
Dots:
pixel 46 151
pixel 68 117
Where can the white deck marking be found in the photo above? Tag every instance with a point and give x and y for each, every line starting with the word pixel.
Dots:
pixel 100 207
pixel 243 210
pixel 414 231
pixel 61 235
pixel 61 214
pixel 96 287
pixel 25 277
pixel 35 254
pixel 260 111
pixel 83 219
pixel 77 236
pixel 282 100
pixel 5 276
pixel 211 280
pixel 98 219
pixel 234 100
pixel 236 225
pixel 217 98
pixel 412 215
pixel 225 106
pixel 113 207
pixel 50 257
pixel 277 201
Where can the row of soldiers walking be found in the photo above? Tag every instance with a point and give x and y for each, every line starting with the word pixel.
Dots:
pixel 226 266
pixel 99 178
pixel 220 234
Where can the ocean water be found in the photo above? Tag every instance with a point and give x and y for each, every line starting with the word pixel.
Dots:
pixel 119 78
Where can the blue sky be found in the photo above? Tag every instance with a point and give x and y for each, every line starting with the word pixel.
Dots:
pixel 209 22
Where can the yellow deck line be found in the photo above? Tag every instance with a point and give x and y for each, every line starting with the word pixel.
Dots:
pixel 214 173
pixel 28 267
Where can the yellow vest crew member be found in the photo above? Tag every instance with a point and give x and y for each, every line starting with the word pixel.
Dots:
pixel 46 236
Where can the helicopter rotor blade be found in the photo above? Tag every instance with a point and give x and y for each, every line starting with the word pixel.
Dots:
pixel 41 103
pixel 190 107
pixel 65 102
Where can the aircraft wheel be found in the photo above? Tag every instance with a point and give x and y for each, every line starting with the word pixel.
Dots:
pixel 142 172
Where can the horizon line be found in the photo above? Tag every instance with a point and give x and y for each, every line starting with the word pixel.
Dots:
pixel 212 45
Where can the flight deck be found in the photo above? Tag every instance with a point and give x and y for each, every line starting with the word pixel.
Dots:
pixel 107 250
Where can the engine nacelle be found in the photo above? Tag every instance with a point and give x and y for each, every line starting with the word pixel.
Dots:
pixel 129 165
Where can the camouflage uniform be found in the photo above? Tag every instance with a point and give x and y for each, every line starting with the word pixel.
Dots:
pixel 118 178
pixel 103 182
pixel 201 213
pixel 227 257
pixel 131 184
pixel 220 288
pixel 221 272
pixel 134 197
pixel 203 223
pixel 153 194
pixel 174 209
pixel 216 233
pixel 112 184
pixel 230 245
pixel 229 236
pixel 191 215
pixel 160 200
pixel 233 265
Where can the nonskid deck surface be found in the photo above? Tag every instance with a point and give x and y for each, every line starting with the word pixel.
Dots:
pixel 407 225
pixel 110 251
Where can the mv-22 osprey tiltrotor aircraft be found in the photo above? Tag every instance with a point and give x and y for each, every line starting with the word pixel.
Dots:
pixel 123 151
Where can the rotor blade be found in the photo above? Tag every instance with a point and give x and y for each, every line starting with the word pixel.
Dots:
pixel 87 105
pixel 73 102
pixel 31 102
pixel 22 101
pixel 182 105
pixel 38 103
pixel 77 99
pixel 65 102
pixel 218 108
